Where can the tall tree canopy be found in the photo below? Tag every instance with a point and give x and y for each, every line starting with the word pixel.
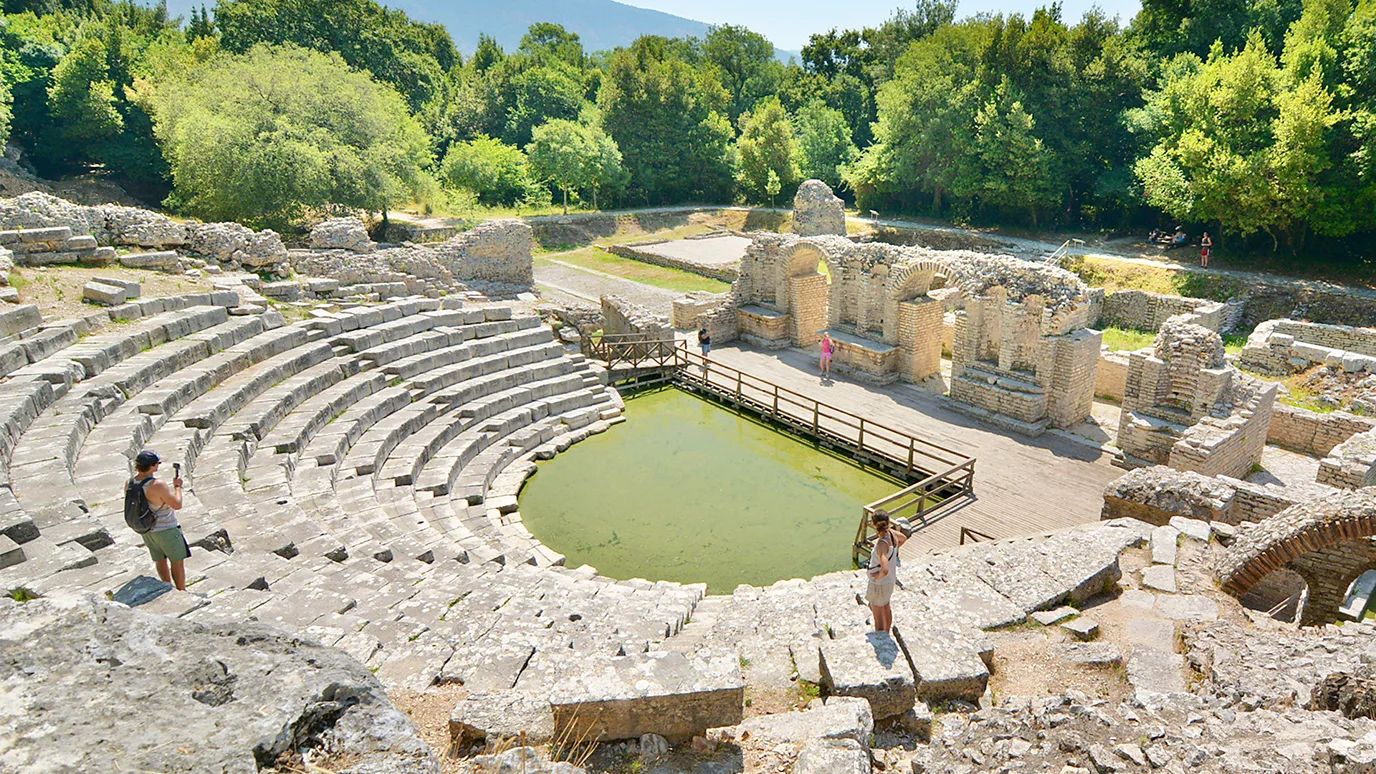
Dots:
pixel 261 136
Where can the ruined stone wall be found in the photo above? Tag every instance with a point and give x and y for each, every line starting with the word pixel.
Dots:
pixel 725 273
pixel 1144 311
pixel 688 310
pixel 919 334
pixel 1351 464
pixel 1229 446
pixel 497 252
pixel 622 317
pixel 818 211
pixel 1156 494
pixel 1329 572
pixel 1111 379
pixel 1312 433
pixel 1074 364
pixel 1281 347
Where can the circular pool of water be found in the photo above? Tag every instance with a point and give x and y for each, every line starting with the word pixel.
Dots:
pixel 688 491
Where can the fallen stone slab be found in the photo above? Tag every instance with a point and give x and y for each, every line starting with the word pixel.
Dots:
pixel 1187 608
pixel 1194 529
pixel 1160 577
pixel 836 717
pixel 947 664
pixel 832 756
pixel 1092 653
pixel 132 289
pixel 11 553
pixel 1053 617
pixel 1156 671
pixel 1082 629
pixel 1165 546
pixel 165 260
pixel 675 695
pixel 1149 633
pixel 100 293
pixel 498 715
pixel 872 668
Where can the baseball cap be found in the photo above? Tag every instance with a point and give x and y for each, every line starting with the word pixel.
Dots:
pixel 147 459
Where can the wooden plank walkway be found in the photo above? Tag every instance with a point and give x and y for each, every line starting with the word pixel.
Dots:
pixel 1022 485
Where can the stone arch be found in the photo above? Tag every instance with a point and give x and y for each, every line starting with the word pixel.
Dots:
pixel 1328 542
pixel 802 291
pixel 912 280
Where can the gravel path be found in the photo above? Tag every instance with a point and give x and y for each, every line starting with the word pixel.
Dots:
pixel 590 285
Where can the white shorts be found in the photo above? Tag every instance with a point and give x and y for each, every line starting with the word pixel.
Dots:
pixel 879 594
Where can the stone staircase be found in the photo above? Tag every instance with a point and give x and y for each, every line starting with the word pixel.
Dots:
pixel 351 477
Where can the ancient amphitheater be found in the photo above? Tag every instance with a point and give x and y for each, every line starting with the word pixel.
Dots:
pixel 356 540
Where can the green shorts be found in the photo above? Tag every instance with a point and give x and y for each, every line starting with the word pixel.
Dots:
pixel 167 544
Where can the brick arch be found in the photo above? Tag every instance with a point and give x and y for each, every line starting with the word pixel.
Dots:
pixel 1328 541
pixel 910 280
pixel 801 258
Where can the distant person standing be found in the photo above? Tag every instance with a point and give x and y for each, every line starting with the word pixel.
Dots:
pixel 704 339
pixel 1204 244
pixel 828 349
pixel 883 570
pixel 148 498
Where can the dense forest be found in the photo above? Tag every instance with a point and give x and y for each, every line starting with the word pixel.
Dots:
pixel 1254 118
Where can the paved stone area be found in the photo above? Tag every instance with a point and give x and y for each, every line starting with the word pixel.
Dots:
pixel 1022 485
pixel 710 251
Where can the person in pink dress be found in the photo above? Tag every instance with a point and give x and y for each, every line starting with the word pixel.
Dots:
pixel 828 349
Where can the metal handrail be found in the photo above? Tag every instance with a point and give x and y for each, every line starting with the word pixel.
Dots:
pixel 1063 251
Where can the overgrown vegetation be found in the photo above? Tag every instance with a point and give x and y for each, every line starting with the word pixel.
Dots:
pixel 1254 119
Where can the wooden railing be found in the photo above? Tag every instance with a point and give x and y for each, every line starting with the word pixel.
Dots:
pixel 1063 251
pixel 630 350
pixel 941 475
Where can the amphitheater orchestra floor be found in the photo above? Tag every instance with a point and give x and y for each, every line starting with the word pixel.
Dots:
pixel 1022 485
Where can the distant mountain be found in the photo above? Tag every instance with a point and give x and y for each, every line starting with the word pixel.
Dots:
pixel 602 24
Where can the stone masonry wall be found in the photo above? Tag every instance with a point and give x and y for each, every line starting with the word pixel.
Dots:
pixel 1351 464
pixel 1227 447
pixel 1111 380
pixel 1280 347
pixel 497 252
pixel 1075 358
pixel 919 336
pixel 1143 311
pixel 725 273
pixel 1312 433
pixel 1329 572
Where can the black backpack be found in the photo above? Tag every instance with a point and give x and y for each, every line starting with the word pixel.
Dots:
pixel 138 514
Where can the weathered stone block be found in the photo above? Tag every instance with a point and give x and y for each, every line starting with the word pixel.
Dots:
pixel 947 664
pixel 838 717
pixel 671 694
pixel 107 295
pixel 832 756
pixel 132 289
pixel 871 667
pixel 501 715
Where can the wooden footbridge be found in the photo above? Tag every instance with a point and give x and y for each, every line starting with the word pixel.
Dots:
pixel 939 479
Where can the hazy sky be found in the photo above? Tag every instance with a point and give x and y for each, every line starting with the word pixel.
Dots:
pixel 788 23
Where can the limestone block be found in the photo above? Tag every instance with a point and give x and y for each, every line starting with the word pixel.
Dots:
pixel 19 319
pixel 1160 577
pixel 1195 529
pixel 218 241
pixel 10 552
pixel 1053 617
pixel 1092 653
pixel 836 718
pixel 100 293
pixel 9 295
pixel 832 756
pixel 166 260
pixel 671 694
pixel 6 265
pixel 872 668
pixel 501 715
pixel 131 289
pixel 263 250
pixel 1083 629
pixel 947 664
pixel 1165 546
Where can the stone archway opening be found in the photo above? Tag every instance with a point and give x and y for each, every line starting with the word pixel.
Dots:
pixel 1360 601
pixel 1282 595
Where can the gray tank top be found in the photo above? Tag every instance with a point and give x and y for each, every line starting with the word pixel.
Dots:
pixel 167 517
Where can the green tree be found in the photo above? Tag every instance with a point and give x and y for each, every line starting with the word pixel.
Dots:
pixel 1239 144
pixel 82 95
pixel 534 97
pixel 562 153
pixel 766 151
pixel 499 174
pixel 262 137
pixel 1013 166
pixel 823 142
pixel 608 172
pixel 410 56
pixel 5 113
pixel 666 117
pixel 746 64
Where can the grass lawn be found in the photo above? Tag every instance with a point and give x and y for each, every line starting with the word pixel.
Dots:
pixel 658 276
pixel 1113 275
pixel 1129 340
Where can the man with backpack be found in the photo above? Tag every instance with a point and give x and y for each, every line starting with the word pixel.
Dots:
pixel 150 509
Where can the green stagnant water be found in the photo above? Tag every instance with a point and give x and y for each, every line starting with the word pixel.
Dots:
pixel 688 491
